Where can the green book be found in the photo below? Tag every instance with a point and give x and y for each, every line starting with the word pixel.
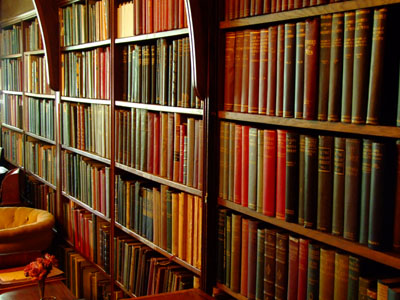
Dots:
pixel 338 185
pixel 301 179
pixel 313 271
pixel 143 140
pixel 365 190
pixel 354 273
pixel 299 73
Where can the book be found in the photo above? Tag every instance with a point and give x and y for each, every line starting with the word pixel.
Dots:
pixel 301 179
pixel 252 168
pixel 310 181
pixel 299 73
pixel 313 271
pixel 270 263
pixel 244 104
pixel 244 262
pixel 289 70
pixel 254 67
pixel 341 276
pixel 272 69
pixel 235 252
pixel 260 264
pixel 270 161
pixel 326 273
pixel 252 259
pixel 292 175
pixel 338 186
pixel 303 269
pixel 281 265
pixel 293 268
pixel 280 173
pixel 263 71
pixel 354 273
pixel 280 68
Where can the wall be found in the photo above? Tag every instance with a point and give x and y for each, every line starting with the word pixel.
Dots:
pixel 12 8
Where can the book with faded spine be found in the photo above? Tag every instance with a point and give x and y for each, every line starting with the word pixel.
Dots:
pixel 365 190
pixel 244 104
pixel 252 259
pixel 310 181
pixel 280 66
pixel 229 70
pixel 254 67
pixel 237 92
pixel 292 176
pixel 272 69
pixel 289 70
pixel 338 185
pixel 313 271
pixel 244 263
pixel 281 265
pixel 354 274
pixel 326 273
pixel 252 168
pixel 245 166
pixel 263 74
pixel 341 276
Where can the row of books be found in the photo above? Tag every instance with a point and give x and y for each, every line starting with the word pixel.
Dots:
pixel 40 117
pixel 86 74
pixel 333 184
pixel 81 23
pixel 40 195
pixel 268 263
pixel 36 75
pixel 148 16
pixel 12 110
pixel 86 180
pixel 235 9
pixel 11 72
pixel 13 145
pixel 169 219
pixel 10 40
pixel 159 74
pixel 40 159
pixel 86 127
pixel 169 145
pixel 32 36
pixel 144 272
pixel 334 67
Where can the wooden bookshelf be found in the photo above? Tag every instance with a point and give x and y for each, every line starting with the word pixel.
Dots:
pixel 87 154
pixel 86 46
pixel 38 137
pixel 41 96
pixel 38 178
pixel 85 206
pixel 34 52
pixel 152 36
pixel 160 108
pixel 85 100
pixel 13 128
pixel 18 55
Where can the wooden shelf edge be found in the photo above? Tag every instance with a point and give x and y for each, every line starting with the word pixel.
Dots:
pixel 19 130
pixel 43 96
pixel 42 180
pixel 41 138
pixel 86 46
pixel 372 130
pixel 124 289
pixel 161 108
pixel 152 36
pixel 17 55
pixel 386 258
pixel 86 100
pixel 227 290
pixel 161 180
pixel 160 250
pixel 17 93
pixel 34 52
pixel 304 13
pixel 87 154
pixel 22 17
pixel 85 206
pixel 14 164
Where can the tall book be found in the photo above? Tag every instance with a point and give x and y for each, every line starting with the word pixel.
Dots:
pixel 293 268
pixel 245 71
pixel 365 190
pixel 281 265
pixel 244 257
pixel 269 260
pixel 354 274
pixel 299 73
pixel 235 252
pixel 280 173
pixel 252 259
pixel 280 65
pixel 289 70
pixel 396 226
pixel 313 271
pixel 237 92
pixel 338 185
pixel 302 141
pixel 292 176
pixel 310 181
pixel 237 164
pixel 303 268
pixel 260 264
pixel 272 69
pixel 245 166
pixel 341 276
pixel 229 70
pixel 263 75
pixel 326 274
pixel 254 67
pixel 252 169
pixel 269 172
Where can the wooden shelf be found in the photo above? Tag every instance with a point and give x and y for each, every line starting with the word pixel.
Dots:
pixel 386 258
pixel 68 2
pixel 19 130
pixel 34 52
pixel 44 181
pixel 18 55
pixel 85 206
pixel 17 93
pixel 173 184
pixel 22 17
pixel 86 100
pixel 159 249
pixel 227 290
pixel 38 137
pixel 161 108
pixel 152 36
pixel 124 289
pixel 371 130
pixel 42 96
pixel 14 163
pixel 87 154
pixel 304 13
pixel 86 46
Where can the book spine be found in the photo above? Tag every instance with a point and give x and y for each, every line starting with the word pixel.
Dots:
pixel 338 186
pixel 303 268
pixel 326 274
pixel 292 176
pixel 272 69
pixel 238 164
pixel 237 92
pixel 269 172
pixel 235 252
pixel 281 266
pixel 365 190
pixel 228 245
pixel 254 67
pixel 289 70
pixel 252 169
pixel 269 270
pixel 301 179
pixel 313 271
pixel 263 74
pixel 280 61
pixel 310 181
pixel 244 104
pixel 229 70
pixel 354 273
pixel 245 166
pixel 396 226
pixel 260 264
pixel 244 257
pixel 293 268
pixel 281 173
pixel 260 170
pixel 252 259
pixel 341 276
pixel 299 73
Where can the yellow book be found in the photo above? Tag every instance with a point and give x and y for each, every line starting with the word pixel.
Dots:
pixel 182 223
pixel 175 223
pixel 189 237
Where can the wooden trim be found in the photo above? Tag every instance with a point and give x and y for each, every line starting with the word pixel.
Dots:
pixel 124 289
pixel 159 249
pixel 35 52
pixel 152 36
pixel 87 46
pixel 304 13
pixel 68 2
pixel 12 93
pixel 227 290
pixel 371 130
pixel 86 100
pixel 43 96
pixel 19 130
pixel 41 138
pixel 42 180
pixel 14 163
pixel 161 108
pixel 87 154
pixel 386 258
pixel 161 180
pixel 17 19
pixel 17 55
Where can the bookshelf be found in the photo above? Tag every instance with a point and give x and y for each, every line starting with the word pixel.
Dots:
pixel 270 137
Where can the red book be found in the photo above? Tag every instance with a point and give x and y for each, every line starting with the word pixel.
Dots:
pixel 149 16
pixel 170 15
pixel 144 17
pixel 229 70
pixel 293 268
pixel 303 265
pixel 285 4
pixel 156 144
pixel 245 257
pixel 156 15
pixel 182 135
pixel 245 166
pixel 182 13
pixel 273 5
pixel 150 142
pixel 238 165
pixel 263 75
pixel 254 70
pixel 280 67
pixel 271 89
pixel 269 172
pixel 291 4
pixel 245 71
pixel 237 89
pixel 280 173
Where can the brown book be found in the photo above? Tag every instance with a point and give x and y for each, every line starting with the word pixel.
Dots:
pixel 281 265
pixel 280 61
pixel 266 6
pixel 326 274
pixel 252 259
pixel 254 66
pixel 244 257
pixel 245 71
pixel 235 252
pixel 341 276
pixel 299 76
pixel 263 76
pixel 269 261
pixel 272 69
pixel 237 92
pixel 289 70
pixel 310 68
pixel 293 268
pixel 229 70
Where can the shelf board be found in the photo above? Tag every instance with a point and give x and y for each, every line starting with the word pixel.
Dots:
pixel 86 100
pixel 152 36
pixel 173 184
pixel 14 163
pixel 304 13
pixel 386 258
pixel 159 249
pixel 85 206
pixel 62 3
pixel 124 289
pixel 34 52
pixel 227 290
pixel 37 177
pixel 18 55
pixel 17 93
pixel 19 130
pixel 22 17
pixel 372 130
pixel 38 137
pixel 161 108
pixel 42 96
pixel 87 154
pixel 86 46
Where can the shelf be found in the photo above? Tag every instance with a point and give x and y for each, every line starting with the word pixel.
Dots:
pixel 304 13
pixel 161 108
pixel 19 130
pixel 85 206
pixel 43 96
pixel 372 130
pixel 86 100
pixel 12 92
pixel 86 46
pixel 37 177
pixel 22 17
pixel 68 2
pixel 87 154
pixel 14 164
pixel 124 289
pixel 173 184
pixel 227 290
pixel 386 258
pixel 18 55
pixel 159 249
pixel 152 36
pixel 38 137
pixel 34 52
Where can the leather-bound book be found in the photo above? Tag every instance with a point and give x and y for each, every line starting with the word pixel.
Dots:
pixel 245 71
pixel 299 72
pixel 270 145
pixel 313 271
pixel 341 276
pixel 365 190
pixel 289 70
pixel 303 267
pixel 292 176
pixel 280 173
pixel 272 69
pixel 280 66
pixel 293 268
pixel 310 181
pixel 237 89
pixel 254 70
pixel 263 75
pixel 281 265
pixel 338 185
pixel 326 273
pixel 229 70
pixel 269 260
pixel 354 274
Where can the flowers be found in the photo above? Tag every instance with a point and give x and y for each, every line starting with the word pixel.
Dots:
pixel 41 267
